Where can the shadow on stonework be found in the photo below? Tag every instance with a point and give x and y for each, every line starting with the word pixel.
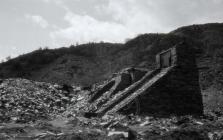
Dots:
pixel 171 89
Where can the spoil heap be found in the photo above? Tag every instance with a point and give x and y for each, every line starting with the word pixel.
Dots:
pixel 23 100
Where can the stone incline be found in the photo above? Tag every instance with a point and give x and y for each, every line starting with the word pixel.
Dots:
pixel 141 90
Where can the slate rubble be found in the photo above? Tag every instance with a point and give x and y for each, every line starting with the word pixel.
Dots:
pixel 23 100
pixel 30 103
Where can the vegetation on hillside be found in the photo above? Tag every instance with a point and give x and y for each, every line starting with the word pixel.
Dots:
pixel 94 62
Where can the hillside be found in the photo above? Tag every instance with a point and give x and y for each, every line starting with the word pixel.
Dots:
pixel 34 106
pixel 94 62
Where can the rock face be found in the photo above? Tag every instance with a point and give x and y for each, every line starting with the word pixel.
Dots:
pixel 172 88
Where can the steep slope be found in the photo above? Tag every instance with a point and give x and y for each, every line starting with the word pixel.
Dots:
pixel 74 65
pixel 89 63
pixel 94 62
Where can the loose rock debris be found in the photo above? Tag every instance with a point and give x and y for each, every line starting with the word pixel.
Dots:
pixel 38 110
pixel 23 100
pixel 117 127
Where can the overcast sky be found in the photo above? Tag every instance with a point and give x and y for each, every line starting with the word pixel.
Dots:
pixel 26 25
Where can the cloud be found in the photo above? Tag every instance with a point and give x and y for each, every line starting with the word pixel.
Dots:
pixel 127 21
pixel 58 3
pixel 134 14
pixel 164 16
pixel 37 19
pixel 128 18
pixel 46 1
pixel 83 28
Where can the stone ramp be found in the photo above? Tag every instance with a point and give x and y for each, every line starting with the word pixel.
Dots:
pixel 144 89
pixel 125 97
pixel 123 79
